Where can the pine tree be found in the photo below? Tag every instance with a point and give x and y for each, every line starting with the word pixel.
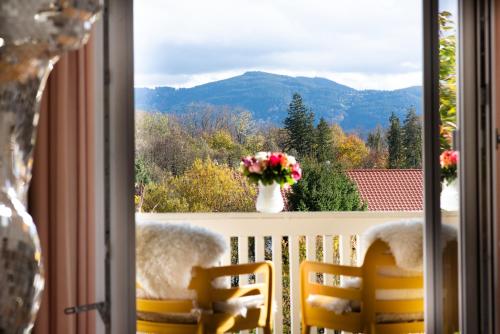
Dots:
pixel 299 124
pixel 324 187
pixel 324 141
pixel 375 140
pixel 412 140
pixel 394 145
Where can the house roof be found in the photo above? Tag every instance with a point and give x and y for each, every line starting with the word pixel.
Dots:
pixel 390 189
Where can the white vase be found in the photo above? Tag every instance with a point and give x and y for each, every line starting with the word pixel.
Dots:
pixel 270 199
pixel 450 196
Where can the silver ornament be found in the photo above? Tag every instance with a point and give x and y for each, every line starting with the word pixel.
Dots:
pixel 33 34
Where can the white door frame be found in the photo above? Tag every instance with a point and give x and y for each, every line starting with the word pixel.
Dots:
pixel 476 222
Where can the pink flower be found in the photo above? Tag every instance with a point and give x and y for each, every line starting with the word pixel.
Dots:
pixel 296 172
pixel 454 157
pixel 448 158
pixel 255 168
pixel 247 161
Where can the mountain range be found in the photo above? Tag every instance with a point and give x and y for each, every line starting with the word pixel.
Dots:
pixel 267 97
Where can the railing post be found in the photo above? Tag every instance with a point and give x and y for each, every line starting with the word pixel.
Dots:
pixel 311 256
pixel 278 291
pixel 328 258
pixel 345 249
pixel 259 256
pixel 293 250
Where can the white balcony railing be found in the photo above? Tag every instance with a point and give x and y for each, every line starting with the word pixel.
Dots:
pixel 306 227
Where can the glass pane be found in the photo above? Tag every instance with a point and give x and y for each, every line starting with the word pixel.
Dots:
pixel 334 85
pixel 449 160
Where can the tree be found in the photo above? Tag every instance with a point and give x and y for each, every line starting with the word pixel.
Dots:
pixel 204 187
pixel 324 141
pixel 299 125
pixel 412 140
pixel 351 152
pixel 394 145
pixel 159 197
pixel 447 79
pixel 324 187
pixel 208 187
pixel 377 156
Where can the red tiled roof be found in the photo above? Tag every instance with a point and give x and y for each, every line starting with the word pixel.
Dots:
pixel 390 189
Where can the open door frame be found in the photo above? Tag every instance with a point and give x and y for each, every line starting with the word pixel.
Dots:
pixel 476 144
pixel 477 151
pixel 117 67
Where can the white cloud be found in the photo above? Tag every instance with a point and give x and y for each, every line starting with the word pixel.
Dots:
pixel 365 43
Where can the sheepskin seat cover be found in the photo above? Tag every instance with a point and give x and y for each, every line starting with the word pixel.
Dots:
pixel 166 254
pixel 405 239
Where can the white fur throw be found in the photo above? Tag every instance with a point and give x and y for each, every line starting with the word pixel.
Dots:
pixel 405 239
pixel 166 254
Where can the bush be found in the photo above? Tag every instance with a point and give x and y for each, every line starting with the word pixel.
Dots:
pixel 324 187
pixel 204 187
pixel 159 198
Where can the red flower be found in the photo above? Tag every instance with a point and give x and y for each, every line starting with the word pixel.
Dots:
pixel 274 160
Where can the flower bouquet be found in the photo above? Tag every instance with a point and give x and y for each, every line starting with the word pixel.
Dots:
pixel 271 171
pixel 449 160
pixel 449 192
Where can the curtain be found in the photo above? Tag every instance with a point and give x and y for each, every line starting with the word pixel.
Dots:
pixel 61 195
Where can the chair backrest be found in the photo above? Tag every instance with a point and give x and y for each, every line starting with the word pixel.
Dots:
pixel 321 317
pixel 392 298
pixel 208 295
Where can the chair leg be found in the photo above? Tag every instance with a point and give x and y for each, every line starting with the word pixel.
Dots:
pixel 267 330
pixel 306 329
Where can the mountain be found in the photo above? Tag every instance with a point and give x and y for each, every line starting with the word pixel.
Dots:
pixel 267 97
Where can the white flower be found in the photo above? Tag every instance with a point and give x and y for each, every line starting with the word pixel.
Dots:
pixel 260 156
pixel 291 160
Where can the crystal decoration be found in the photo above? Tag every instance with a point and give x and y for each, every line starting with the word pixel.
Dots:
pixel 33 34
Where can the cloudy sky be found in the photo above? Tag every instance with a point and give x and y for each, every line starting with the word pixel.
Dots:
pixel 360 43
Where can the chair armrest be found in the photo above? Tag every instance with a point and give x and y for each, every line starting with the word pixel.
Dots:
pixel 235 269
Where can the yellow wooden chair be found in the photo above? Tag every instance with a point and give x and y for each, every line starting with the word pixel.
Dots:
pixel 208 296
pixel 365 320
pixel 159 307
pixel 211 321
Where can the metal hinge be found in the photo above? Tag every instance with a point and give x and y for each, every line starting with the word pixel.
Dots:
pixel 101 307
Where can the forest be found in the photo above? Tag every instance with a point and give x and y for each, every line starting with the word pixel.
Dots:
pixel 190 162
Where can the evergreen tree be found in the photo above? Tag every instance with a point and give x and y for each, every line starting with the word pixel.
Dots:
pixel 375 140
pixel 299 125
pixel 412 140
pixel 324 187
pixel 324 141
pixel 394 144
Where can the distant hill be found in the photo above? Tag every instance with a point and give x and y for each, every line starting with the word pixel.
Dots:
pixel 267 97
